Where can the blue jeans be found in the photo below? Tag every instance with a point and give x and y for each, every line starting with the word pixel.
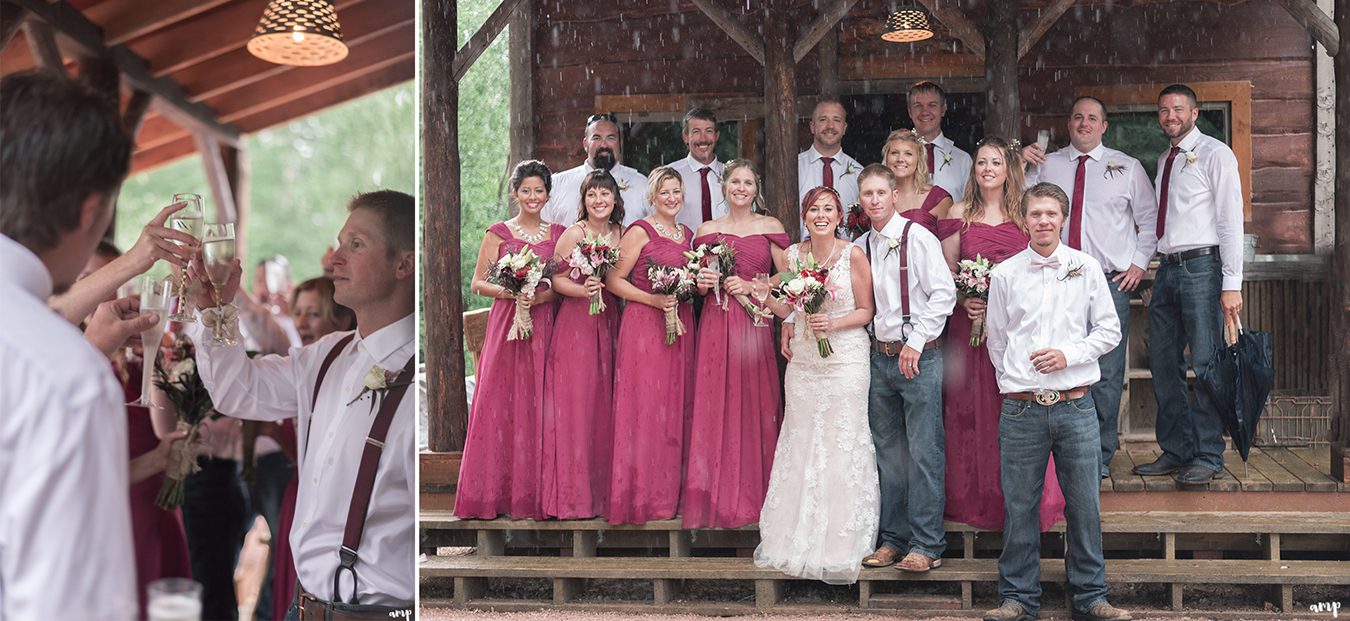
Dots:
pixel 1185 312
pixel 293 613
pixel 271 473
pixel 906 420
pixel 1106 392
pixel 1028 433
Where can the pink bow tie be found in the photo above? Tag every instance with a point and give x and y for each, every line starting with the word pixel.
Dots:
pixel 1038 262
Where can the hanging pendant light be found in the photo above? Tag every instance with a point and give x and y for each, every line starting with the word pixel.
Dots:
pixel 303 33
pixel 907 26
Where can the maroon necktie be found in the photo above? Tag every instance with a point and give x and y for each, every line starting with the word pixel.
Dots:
pixel 1076 211
pixel 707 194
pixel 827 173
pixel 931 171
pixel 1162 197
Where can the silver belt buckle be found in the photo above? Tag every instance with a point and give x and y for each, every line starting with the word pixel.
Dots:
pixel 1048 397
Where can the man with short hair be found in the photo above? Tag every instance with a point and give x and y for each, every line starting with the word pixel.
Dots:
pixel 343 387
pixel 604 150
pixel 1050 317
pixel 948 165
pixel 914 294
pixel 65 520
pixel 824 163
pixel 700 170
pixel 1112 214
pixel 1198 286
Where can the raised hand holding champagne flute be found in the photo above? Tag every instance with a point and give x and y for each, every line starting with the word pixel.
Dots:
pixel 156 297
pixel 188 220
pixel 218 254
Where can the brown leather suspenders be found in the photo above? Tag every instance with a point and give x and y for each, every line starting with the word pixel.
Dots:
pixel 907 326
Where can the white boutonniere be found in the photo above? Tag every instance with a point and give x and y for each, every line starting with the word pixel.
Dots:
pixel 1074 271
pixel 850 170
pixel 623 185
pixel 1191 158
pixel 377 382
pixel 946 159
pixel 1112 168
pixel 892 246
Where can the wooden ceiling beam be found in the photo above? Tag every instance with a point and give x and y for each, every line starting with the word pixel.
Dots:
pixel 134 114
pixel 11 18
pixel 825 22
pixel 124 20
pixel 479 42
pixel 746 38
pixel 949 13
pixel 1319 24
pixel 1049 14
pixel 42 42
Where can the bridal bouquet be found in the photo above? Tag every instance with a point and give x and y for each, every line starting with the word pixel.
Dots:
pixel 856 221
pixel 176 375
pixel 719 256
pixel 972 281
pixel 676 281
pixel 519 272
pixel 805 289
pixel 592 257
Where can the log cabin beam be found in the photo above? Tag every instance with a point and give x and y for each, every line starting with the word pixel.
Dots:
pixel 521 62
pixel 11 18
pixel 42 41
pixel 780 115
pixel 479 42
pixel 239 177
pixel 67 20
pixel 448 411
pixel 1002 108
pixel 124 20
pixel 1340 259
pixel 1319 24
pixel 746 38
pixel 949 13
pixel 216 177
pixel 828 71
pixel 1049 14
pixel 827 21
pixel 101 74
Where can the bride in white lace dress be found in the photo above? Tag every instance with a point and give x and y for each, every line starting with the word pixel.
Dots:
pixel 823 504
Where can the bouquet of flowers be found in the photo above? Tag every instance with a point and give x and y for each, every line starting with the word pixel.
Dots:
pixel 972 281
pixel 592 257
pixel 519 272
pixel 176 375
pixel 856 221
pixel 676 281
pixel 720 256
pixel 805 289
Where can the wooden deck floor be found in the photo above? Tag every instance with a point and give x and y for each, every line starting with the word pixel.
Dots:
pixel 1267 469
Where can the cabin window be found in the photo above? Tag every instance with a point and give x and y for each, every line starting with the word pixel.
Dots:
pixel 649 144
pixel 1134 129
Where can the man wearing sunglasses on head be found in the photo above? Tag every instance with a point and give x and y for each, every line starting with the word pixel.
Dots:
pixel 602 143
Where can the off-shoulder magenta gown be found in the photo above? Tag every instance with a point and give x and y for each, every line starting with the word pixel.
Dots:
pixel 923 216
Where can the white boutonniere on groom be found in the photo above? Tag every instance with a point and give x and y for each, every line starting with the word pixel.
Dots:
pixel 377 381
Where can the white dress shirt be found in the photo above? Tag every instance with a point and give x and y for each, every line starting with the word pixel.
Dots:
pixel 279 387
pixel 1206 203
pixel 65 518
pixel 932 292
pixel 811 174
pixel 691 215
pixel 1058 302
pixel 564 201
pixel 951 167
pixel 1120 211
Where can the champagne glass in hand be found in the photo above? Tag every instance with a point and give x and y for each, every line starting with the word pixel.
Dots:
pixel 156 297
pixel 218 252
pixel 188 220
pixel 760 290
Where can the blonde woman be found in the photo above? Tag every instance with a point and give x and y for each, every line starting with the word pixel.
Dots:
pixel 916 199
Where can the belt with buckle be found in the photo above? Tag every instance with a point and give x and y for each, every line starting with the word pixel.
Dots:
pixel 892 349
pixel 315 609
pixel 1049 397
pixel 1186 255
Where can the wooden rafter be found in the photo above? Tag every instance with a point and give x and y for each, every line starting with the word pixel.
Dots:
pixel 1049 14
pixel 66 19
pixel 479 42
pixel 825 22
pixel 743 36
pixel 1319 24
pixel 100 73
pixel 11 18
pixel 216 177
pixel 43 43
pixel 124 20
pixel 949 13
pixel 134 114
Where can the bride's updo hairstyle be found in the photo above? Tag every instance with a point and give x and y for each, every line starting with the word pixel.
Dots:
pixel 814 195
pixel 531 168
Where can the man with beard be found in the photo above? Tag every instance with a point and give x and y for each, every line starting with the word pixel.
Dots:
pixel 825 162
pixel 603 146
pixel 701 172
pixel 948 165
pixel 1198 287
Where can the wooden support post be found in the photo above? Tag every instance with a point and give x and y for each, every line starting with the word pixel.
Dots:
pixel 768 593
pixel 780 116
pixel 1174 590
pixel 583 543
pixel 664 591
pixel 968 544
pixel 864 594
pixel 1317 22
pixel 1000 71
pixel 469 589
pixel 1170 546
pixel 491 543
pixel 240 178
pixel 1340 258
pixel 221 193
pixel 479 42
pixel 1285 597
pixel 443 303
pixel 828 51
pixel 42 42
pixel 679 544
pixel 826 23
pixel 521 60
pixel 134 113
pixel 743 36
pixel 1270 545
pixel 567 589
pixel 11 18
pixel 967 595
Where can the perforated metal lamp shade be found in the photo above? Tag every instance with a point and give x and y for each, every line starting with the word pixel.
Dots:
pixel 304 33
pixel 907 26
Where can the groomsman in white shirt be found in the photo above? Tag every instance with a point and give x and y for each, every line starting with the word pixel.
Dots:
pixel 825 163
pixel 914 295
pixel 65 522
pixel 1112 215
pixel 1050 317
pixel 1198 287
pixel 700 170
pixel 604 150
pixel 948 165
pixel 335 389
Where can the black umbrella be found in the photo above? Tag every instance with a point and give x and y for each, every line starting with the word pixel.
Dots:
pixel 1239 379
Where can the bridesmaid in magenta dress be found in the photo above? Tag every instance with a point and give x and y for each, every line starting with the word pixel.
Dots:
pixel 653 381
pixel 988 223
pixel 917 199
pixel 579 387
pixel 500 472
pixel 734 426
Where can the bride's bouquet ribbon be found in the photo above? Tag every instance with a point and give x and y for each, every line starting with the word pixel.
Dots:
pixel 519 272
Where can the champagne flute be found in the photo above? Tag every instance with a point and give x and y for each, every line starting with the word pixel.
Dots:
pixel 218 250
pixel 131 289
pixel 188 220
pixel 156 297
pixel 761 293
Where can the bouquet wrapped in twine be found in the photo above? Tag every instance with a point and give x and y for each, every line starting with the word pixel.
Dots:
pixel 676 281
pixel 805 289
pixel 176 375
pixel 593 257
pixel 520 272
pixel 972 281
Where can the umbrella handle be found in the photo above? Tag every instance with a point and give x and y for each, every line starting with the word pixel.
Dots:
pixel 1231 331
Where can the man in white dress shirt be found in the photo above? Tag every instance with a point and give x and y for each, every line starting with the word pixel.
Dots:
pixel 65 521
pixel 914 295
pixel 1112 215
pixel 700 170
pixel 825 163
pixel 373 274
pixel 948 165
pixel 1049 318
pixel 604 150
pixel 1199 285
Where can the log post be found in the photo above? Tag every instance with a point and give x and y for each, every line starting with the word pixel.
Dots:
pixel 1340 258
pixel 444 330
pixel 42 41
pixel 1000 71
pixel 780 116
pixel 521 59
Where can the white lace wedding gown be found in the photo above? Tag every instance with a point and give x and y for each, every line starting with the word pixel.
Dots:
pixel 821 512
